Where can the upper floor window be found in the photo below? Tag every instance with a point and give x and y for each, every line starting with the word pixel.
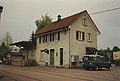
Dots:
pixel 57 36
pixel 52 37
pixel 49 37
pixel 84 22
pixel 80 35
pixel 41 39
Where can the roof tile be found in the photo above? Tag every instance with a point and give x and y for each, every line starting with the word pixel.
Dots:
pixel 65 22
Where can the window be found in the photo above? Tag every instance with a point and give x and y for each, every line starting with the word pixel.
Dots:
pixel 52 37
pixel 41 39
pixel 48 38
pixel 84 22
pixel 89 36
pixel 41 56
pixel 80 35
pixel 57 36
pixel 44 38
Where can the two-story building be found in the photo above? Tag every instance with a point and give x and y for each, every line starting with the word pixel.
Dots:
pixel 66 40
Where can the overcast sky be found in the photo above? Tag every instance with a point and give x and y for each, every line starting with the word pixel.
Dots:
pixel 18 17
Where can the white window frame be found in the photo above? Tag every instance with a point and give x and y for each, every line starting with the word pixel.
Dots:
pixel 41 38
pixel 55 36
pixel 48 38
pixel 84 22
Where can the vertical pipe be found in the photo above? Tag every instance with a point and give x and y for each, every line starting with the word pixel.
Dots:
pixel 69 49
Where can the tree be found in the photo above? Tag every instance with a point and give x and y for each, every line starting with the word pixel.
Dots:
pixel 43 22
pixel 32 38
pixel 107 53
pixel 7 39
pixel 3 50
pixel 115 49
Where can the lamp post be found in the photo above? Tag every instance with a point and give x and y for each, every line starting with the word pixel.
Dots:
pixel 1 9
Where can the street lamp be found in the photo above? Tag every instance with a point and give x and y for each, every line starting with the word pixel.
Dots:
pixel 1 9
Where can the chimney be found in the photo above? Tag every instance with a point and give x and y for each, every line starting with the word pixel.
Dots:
pixel 59 17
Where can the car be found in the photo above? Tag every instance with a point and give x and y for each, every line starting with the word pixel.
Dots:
pixel 95 62
pixel 0 61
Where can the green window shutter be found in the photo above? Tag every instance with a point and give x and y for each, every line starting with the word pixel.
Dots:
pixel 40 39
pixel 58 35
pixel 77 35
pixel 83 33
pixel 50 37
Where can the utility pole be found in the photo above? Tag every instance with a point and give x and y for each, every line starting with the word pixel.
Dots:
pixel 1 9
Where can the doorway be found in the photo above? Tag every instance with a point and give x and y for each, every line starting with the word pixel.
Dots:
pixel 51 56
pixel 61 56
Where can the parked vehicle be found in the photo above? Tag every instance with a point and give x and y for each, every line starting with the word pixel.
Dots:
pixel 95 62
pixel 0 61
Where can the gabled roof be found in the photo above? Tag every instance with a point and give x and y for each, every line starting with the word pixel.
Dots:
pixel 25 44
pixel 63 23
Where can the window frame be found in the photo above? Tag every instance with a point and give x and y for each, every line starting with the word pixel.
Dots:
pixel 84 22
pixel 89 37
pixel 80 35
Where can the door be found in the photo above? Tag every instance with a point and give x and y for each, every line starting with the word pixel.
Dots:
pixel 61 56
pixel 51 56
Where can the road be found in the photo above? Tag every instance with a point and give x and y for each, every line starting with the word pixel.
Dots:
pixel 37 73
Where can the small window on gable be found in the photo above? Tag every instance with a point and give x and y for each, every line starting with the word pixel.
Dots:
pixel 89 36
pixel 84 22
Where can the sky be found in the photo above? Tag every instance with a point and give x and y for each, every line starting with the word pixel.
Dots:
pixel 19 16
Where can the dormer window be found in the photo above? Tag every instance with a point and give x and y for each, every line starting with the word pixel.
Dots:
pixel 84 22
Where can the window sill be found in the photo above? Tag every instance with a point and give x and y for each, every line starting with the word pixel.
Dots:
pixel 80 40
pixel 84 25
pixel 89 41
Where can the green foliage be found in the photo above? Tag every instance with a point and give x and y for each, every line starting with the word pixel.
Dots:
pixel 107 53
pixel 3 49
pixel 7 39
pixel 45 20
pixel 115 49
pixel 32 38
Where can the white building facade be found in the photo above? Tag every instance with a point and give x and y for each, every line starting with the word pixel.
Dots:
pixel 61 41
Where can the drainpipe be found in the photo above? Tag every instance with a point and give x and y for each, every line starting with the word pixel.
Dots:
pixel 69 48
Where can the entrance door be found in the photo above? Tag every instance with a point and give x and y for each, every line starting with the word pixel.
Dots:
pixel 51 56
pixel 61 56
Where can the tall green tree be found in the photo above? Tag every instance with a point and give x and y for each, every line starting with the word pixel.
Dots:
pixel 3 50
pixel 43 21
pixel 32 38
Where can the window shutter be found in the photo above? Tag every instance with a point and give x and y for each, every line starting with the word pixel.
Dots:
pixel 58 35
pixel 40 39
pixel 83 33
pixel 77 35
pixel 53 36
pixel 46 38
pixel 50 37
